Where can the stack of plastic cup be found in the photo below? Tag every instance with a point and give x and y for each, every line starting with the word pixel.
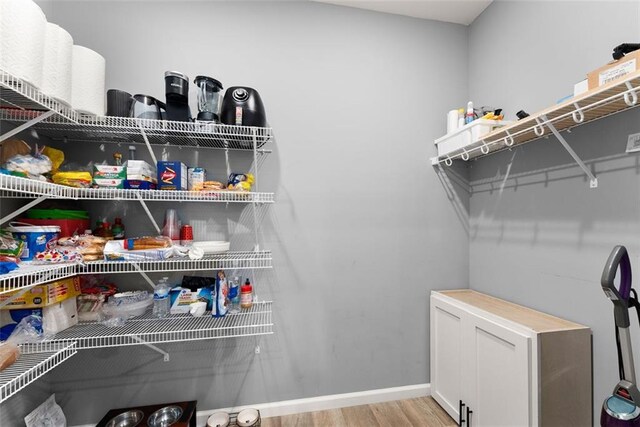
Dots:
pixel 171 229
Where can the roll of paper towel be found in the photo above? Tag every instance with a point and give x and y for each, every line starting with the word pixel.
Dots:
pixel 87 81
pixel 22 29
pixel 56 69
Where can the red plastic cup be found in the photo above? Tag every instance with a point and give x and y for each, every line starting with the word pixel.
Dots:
pixel 186 235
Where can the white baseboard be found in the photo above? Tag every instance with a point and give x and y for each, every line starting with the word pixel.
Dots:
pixel 321 403
pixel 332 401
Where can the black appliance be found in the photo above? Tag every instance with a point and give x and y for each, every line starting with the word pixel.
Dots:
pixel 176 87
pixel 243 106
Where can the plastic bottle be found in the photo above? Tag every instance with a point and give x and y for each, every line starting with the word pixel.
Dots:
pixel 161 301
pixel 118 229
pixel 234 295
pixel 460 117
pixel 469 117
pixel 246 295
pixel 132 152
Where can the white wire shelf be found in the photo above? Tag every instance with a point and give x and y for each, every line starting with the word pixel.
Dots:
pixel 126 130
pixel 148 330
pixel 31 366
pixel 228 260
pixel 17 94
pixel 18 187
pixel 615 97
pixel 28 275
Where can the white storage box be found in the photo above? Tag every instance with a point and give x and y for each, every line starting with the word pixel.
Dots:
pixel 467 134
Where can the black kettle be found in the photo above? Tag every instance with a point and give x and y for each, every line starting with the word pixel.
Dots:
pixel 243 106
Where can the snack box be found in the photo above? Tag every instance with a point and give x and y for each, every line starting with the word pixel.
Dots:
pixel 109 172
pixel 138 177
pixel 108 183
pixel 182 298
pixel 137 184
pixel 44 295
pixel 140 167
pixel 197 177
pixel 172 176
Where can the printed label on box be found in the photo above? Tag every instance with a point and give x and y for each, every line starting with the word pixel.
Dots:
pixel 616 72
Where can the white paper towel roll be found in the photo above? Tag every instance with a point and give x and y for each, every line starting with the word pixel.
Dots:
pixel 87 81
pixel 56 69
pixel 22 28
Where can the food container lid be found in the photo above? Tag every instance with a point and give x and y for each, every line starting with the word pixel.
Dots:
pixel 177 74
pixel 246 288
pixel 57 214
pixel 208 79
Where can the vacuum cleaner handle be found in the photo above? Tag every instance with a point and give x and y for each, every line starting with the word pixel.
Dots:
pixel 620 297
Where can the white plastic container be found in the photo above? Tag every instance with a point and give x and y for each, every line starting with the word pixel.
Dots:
pixel 467 134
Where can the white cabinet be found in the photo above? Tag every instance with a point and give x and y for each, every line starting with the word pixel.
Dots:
pixel 494 363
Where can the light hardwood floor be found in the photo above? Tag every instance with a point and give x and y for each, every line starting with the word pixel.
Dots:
pixel 419 412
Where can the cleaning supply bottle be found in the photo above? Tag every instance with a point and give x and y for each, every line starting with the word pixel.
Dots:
pixel 469 117
pixel 234 295
pixel 246 295
pixel 161 302
pixel 118 229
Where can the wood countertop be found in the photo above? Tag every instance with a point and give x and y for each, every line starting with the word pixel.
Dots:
pixel 533 319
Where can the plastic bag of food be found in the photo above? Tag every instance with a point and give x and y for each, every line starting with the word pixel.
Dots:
pixel 10 247
pixel 56 156
pixel 240 181
pixel 9 353
pixel 78 179
pixel 48 414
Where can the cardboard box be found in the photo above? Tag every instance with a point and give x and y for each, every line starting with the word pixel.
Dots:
pixel 109 172
pixel 55 318
pixel 197 177
pixel 172 176
pixel 108 183
pixel 614 70
pixel 44 295
pixel 137 184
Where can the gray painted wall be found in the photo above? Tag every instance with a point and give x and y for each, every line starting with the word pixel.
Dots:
pixel 362 230
pixel 539 236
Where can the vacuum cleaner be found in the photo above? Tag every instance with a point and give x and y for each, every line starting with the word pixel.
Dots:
pixel 621 408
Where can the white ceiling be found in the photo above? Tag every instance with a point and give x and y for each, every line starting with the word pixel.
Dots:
pixel 456 11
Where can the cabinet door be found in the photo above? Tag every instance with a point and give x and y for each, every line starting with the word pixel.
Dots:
pixel 496 374
pixel 446 356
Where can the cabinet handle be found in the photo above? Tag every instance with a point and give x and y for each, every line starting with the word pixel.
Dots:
pixel 469 412
pixel 460 413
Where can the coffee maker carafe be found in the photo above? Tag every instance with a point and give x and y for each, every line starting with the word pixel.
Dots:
pixel 177 92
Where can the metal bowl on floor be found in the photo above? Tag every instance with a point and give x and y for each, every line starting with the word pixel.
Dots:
pixel 126 419
pixel 164 417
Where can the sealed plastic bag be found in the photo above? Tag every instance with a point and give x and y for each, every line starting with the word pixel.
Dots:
pixel 48 414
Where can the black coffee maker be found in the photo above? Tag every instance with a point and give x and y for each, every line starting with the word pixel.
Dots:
pixel 176 87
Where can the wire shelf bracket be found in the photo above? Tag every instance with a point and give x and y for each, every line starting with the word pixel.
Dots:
pixel 22 209
pixel 593 181
pixel 26 125
pixel 165 355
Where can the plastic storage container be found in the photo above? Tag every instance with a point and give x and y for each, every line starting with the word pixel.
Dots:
pixel 35 237
pixel 467 134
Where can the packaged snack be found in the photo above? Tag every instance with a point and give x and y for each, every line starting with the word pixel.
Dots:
pixel 78 179
pixel 240 181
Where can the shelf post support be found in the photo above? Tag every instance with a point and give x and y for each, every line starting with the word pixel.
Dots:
pixel 148 212
pixel 26 125
pixel 152 347
pixel 146 142
pixel 593 181
pixel 22 209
